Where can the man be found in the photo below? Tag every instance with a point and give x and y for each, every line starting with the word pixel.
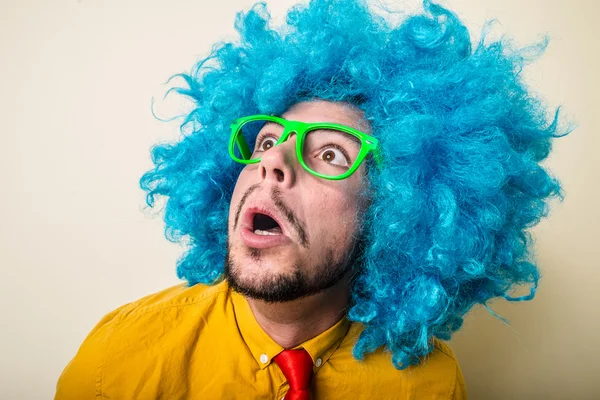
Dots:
pixel 348 195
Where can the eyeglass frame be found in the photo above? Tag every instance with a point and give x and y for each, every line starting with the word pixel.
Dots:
pixel 368 143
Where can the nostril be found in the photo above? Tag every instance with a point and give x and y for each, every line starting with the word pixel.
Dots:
pixel 279 174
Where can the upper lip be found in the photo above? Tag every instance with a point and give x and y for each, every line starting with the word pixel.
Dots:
pixel 263 208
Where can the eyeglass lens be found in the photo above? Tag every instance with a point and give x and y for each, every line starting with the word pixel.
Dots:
pixel 329 152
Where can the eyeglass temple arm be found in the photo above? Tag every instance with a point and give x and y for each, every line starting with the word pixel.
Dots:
pixel 377 156
pixel 243 147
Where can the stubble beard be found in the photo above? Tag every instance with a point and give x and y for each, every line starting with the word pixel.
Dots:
pixel 283 287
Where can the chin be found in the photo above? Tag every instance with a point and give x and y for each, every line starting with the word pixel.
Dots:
pixel 266 279
pixel 263 283
pixel 261 269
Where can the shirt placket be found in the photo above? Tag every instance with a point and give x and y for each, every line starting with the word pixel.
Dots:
pixel 281 392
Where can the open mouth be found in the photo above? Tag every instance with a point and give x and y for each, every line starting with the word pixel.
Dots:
pixel 262 229
pixel 264 225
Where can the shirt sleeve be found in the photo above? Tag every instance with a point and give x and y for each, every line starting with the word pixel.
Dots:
pixel 460 389
pixel 81 378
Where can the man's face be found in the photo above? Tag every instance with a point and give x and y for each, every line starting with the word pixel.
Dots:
pixel 292 234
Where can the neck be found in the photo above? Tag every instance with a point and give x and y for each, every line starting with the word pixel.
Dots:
pixel 294 322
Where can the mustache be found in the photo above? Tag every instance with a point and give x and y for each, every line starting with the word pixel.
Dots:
pixel 286 211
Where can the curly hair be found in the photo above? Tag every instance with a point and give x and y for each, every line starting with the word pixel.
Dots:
pixel 461 136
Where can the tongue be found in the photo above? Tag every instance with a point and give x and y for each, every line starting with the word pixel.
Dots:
pixel 275 229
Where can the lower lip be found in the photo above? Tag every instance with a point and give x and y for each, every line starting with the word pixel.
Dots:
pixel 253 240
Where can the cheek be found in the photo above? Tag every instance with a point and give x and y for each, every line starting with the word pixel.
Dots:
pixel 338 206
pixel 335 213
pixel 238 192
pixel 241 186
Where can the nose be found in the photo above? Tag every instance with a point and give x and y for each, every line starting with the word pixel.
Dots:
pixel 278 164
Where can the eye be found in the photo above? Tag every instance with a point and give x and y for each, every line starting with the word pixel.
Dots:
pixel 264 143
pixel 334 156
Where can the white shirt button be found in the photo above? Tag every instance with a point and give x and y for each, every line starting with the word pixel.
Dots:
pixel 318 362
pixel 264 358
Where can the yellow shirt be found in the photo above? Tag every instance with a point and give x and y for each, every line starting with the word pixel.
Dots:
pixel 202 342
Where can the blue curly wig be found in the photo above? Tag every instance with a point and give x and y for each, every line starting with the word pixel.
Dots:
pixel 461 136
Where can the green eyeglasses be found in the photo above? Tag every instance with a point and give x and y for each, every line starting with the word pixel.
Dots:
pixel 329 151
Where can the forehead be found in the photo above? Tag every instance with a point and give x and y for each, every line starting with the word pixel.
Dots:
pixel 328 111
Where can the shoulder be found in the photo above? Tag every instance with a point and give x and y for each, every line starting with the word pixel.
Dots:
pixel 438 373
pixel 139 333
pixel 441 353
pixel 177 296
pixel 162 327
pixel 176 314
pixel 437 376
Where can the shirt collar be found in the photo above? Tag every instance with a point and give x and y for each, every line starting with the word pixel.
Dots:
pixel 263 348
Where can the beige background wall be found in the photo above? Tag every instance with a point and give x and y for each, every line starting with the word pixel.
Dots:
pixel 76 82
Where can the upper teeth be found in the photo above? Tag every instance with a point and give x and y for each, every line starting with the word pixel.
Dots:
pixel 261 232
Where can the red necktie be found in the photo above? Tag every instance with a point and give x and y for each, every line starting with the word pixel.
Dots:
pixel 297 367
